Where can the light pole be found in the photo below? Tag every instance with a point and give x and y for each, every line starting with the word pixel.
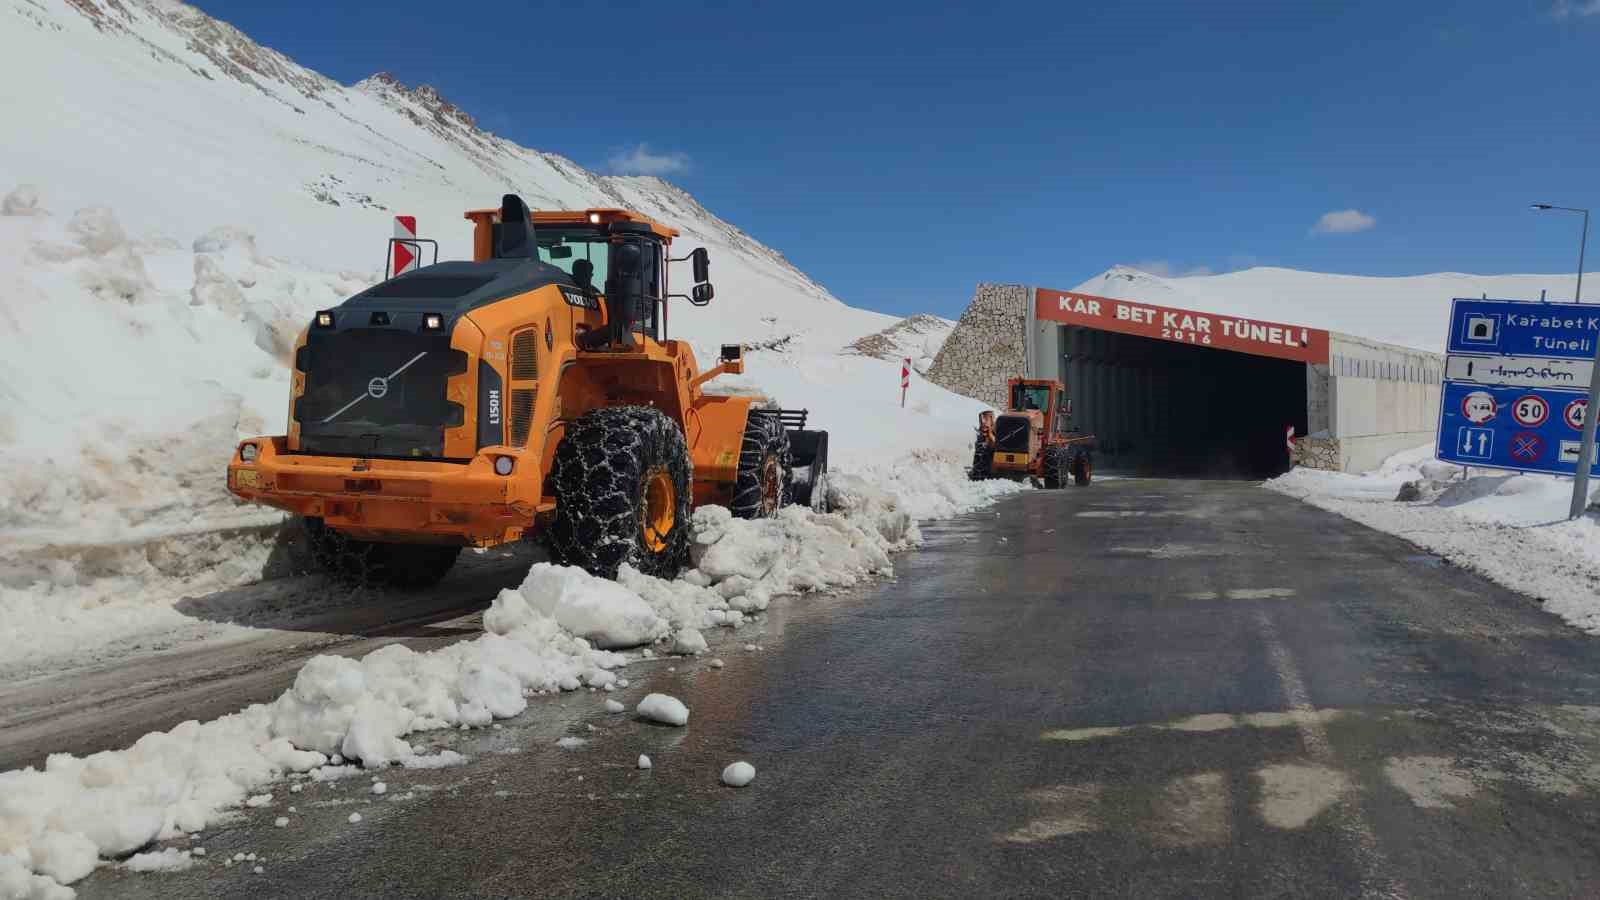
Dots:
pixel 1582 240
pixel 1580 479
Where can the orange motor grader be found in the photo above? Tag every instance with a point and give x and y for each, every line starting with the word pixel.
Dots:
pixel 1033 438
pixel 531 391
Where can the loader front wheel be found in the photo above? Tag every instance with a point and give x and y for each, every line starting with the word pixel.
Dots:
pixel 622 486
pixel 1055 468
pixel 982 462
pixel 766 472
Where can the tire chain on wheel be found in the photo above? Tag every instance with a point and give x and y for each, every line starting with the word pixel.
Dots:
pixel 764 435
pixel 1055 467
pixel 982 462
pixel 599 473
pixel 374 564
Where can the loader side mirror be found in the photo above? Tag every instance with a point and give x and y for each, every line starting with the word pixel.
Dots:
pixel 701 260
pixel 701 294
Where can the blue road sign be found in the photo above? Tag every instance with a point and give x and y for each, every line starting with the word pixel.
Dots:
pixel 1515 386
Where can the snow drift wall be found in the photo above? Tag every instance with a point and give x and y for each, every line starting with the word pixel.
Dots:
pixel 988 344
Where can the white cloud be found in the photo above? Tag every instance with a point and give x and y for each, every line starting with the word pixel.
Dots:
pixel 639 160
pixel 1165 269
pixel 1345 221
pixel 1574 9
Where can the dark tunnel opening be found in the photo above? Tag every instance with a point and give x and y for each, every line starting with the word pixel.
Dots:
pixel 1165 408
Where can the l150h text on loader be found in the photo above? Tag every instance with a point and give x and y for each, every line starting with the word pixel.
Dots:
pixel 529 392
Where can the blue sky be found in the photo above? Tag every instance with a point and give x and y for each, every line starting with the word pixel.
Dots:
pixel 899 153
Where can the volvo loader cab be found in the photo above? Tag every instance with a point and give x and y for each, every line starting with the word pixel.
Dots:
pixel 522 394
pixel 1033 439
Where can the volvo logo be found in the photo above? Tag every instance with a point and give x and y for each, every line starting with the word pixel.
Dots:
pixel 377 387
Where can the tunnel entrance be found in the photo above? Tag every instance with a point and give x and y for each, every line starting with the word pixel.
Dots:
pixel 1166 408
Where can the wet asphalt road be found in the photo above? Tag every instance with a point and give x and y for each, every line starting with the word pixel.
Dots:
pixel 1136 689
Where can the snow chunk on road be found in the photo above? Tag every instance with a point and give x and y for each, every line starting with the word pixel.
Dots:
pixel 613 706
pixel 571 743
pixel 169 860
pixel 738 774
pixel 355 818
pixel 644 762
pixel 594 608
pixel 688 642
pixel 664 709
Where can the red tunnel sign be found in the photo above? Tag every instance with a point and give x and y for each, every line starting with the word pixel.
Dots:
pixel 1184 326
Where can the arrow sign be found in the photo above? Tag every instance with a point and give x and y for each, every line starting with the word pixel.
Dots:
pixel 405 255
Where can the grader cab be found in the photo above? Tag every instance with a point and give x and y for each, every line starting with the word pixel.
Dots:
pixel 1033 439
pixel 530 392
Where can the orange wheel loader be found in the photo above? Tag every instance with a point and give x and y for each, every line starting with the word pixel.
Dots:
pixel 1033 439
pixel 529 392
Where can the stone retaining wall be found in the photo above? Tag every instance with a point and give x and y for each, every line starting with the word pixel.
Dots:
pixel 986 347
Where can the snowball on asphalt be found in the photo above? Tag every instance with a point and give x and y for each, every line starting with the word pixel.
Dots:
pixel 664 709
pixel 644 762
pixel 354 818
pixel 379 787
pixel 571 743
pixel 688 642
pixel 281 822
pixel 613 706
pixel 716 663
pixel 738 774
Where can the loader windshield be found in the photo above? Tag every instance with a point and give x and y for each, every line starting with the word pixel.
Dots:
pixel 1030 396
pixel 564 247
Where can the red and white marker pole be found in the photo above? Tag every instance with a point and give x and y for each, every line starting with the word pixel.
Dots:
pixel 1288 439
pixel 406 256
pixel 905 380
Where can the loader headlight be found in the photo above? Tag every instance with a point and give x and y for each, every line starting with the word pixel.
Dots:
pixel 248 452
pixel 324 319
pixel 503 465
pixel 432 322
pixel 594 218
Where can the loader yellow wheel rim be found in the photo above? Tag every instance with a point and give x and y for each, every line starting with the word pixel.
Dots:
pixel 658 509
pixel 771 486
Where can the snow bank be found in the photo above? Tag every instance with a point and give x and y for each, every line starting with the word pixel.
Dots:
pixel 1513 529
pixel 57 821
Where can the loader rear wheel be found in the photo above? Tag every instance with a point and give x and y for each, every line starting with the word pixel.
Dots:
pixel 1082 469
pixel 622 486
pixel 766 471
pixel 375 563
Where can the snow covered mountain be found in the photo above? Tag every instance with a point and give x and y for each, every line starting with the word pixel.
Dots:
pixel 178 201
pixel 1412 311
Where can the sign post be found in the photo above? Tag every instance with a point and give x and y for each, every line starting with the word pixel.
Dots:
pixel 905 379
pixel 1580 481
pixel 1514 394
